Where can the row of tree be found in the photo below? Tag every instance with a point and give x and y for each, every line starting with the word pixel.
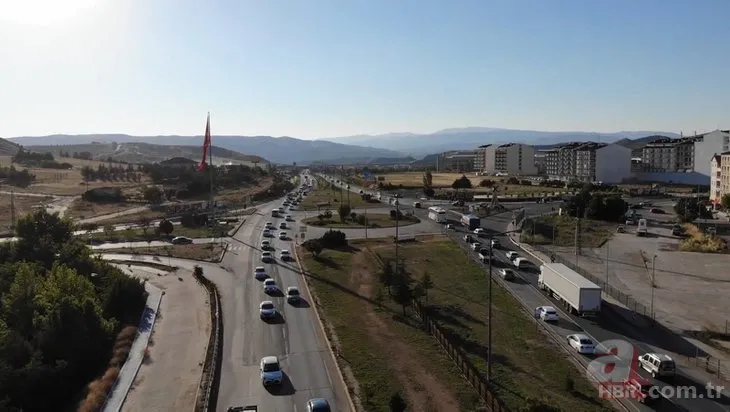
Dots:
pixel 41 160
pixel 60 309
pixel 110 172
pixel 596 205
pixel 190 182
pixel 15 177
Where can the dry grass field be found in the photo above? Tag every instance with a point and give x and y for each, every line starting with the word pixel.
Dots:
pixel 63 182
pixel 23 205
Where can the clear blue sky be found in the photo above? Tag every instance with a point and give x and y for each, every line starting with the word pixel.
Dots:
pixel 324 68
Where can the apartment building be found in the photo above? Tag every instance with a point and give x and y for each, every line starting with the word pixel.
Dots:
pixel 665 154
pixel 461 161
pixel 716 184
pixel 707 145
pixel 589 162
pixel 510 158
pixel 480 156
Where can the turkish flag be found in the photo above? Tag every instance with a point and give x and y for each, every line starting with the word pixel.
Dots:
pixel 206 145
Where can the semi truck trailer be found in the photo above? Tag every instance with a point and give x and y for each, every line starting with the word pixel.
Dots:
pixel 578 294
pixel 471 222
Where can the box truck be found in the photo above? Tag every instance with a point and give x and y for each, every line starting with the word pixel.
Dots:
pixel 578 294
pixel 471 222
pixel 641 229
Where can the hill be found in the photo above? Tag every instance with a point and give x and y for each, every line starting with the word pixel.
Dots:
pixel 147 153
pixel 419 145
pixel 8 148
pixel 285 150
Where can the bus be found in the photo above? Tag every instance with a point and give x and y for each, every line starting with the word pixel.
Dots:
pixel 437 214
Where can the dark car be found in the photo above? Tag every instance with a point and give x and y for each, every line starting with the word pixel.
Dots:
pixel 318 405
pixel 181 240
pixel 657 211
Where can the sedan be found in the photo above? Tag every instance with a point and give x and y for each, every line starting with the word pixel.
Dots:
pixel 582 343
pixel 511 255
pixel 265 245
pixel 289 218
pixel 283 236
pixel 267 309
pixel 507 274
pixel 271 373
pixel 479 231
pixel 282 225
pixel 495 243
pixel 285 255
pixel 546 313
pixel 270 286
pixel 181 240
pixel 318 405
pixel 267 257
pixel 292 294
pixel 260 273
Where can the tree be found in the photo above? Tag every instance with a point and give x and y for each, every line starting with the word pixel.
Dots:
pixel 725 201
pixel 429 192
pixel 197 271
pixel 486 183
pixel 145 222
pixel 353 216
pixel 426 284
pixel 109 231
pixel 690 209
pixel 344 211
pixel 386 276
pixel 427 179
pixel 166 227
pixel 403 292
pixel 313 246
pixel 461 183
pixel 397 403
pixel 153 194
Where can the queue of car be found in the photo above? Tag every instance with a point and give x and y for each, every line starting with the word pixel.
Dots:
pixel 270 367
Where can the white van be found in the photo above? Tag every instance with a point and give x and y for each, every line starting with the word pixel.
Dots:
pixel 522 263
pixel 659 365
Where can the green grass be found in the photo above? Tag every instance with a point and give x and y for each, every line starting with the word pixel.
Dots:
pixel 324 193
pixel 374 221
pixel 593 233
pixel 527 365
pixel 138 235
pixel 371 360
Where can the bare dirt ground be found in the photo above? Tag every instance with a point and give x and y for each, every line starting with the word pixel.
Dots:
pixel 168 379
pixel 23 205
pixel 423 390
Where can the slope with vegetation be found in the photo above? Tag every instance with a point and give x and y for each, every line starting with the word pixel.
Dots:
pixel 60 311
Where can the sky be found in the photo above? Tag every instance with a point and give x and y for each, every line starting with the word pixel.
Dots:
pixel 326 68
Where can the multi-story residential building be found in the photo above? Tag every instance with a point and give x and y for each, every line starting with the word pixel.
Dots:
pixel 716 186
pixel 665 154
pixel 510 158
pixel 541 161
pixel 707 145
pixel 480 156
pixel 589 162
pixel 461 161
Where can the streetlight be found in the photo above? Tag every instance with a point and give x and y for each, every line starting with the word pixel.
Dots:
pixel 653 285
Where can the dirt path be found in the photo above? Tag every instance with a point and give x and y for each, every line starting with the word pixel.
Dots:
pixel 424 391
pixel 168 380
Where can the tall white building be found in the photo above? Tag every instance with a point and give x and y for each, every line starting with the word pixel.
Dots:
pixel 510 158
pixel 716 179
pixel 707 145
pixel 589 162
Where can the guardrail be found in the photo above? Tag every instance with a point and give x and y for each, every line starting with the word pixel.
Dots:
pixel 207 395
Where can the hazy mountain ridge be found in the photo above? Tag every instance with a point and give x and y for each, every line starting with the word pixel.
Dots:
pixel 285 150
pixel 419 145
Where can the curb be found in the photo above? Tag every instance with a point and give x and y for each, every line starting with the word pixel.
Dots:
pixel 324 331
pixel 213 358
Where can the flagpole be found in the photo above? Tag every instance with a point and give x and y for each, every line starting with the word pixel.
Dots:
pixel 212 196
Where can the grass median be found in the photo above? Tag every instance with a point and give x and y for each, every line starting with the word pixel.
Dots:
pixel 528 367
pixel 374 221
pixel 328 196
pixel 140 235
pixel 209 252
pixel 560 231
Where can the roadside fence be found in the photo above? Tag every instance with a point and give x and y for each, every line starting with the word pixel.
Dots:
pixel 207 395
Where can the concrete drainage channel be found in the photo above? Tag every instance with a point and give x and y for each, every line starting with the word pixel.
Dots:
pixel 207 396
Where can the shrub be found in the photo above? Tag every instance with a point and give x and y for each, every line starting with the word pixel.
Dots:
pixel 333 239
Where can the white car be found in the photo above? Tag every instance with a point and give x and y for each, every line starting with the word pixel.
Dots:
pixel 267 257
pixel 285 255
pixel 267 309
pixel 289 218
pixel 479 231
pixel 476 246
pixel 546 313
pixel 507 274
pixel 260 273
pixel 270 286
pixel 511 255
pixel 292 294
pixel 282 235
pixel 269 225
pixel 495 243
pixel 582 343
pixel 271 373
pixel 265 245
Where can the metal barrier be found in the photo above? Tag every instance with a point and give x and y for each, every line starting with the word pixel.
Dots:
pixel 209 380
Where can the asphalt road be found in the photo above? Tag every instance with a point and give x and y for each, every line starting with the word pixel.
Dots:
pixel 607 327
pixel 297 339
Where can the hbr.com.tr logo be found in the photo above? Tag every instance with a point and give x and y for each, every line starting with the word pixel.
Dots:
pixel 615 371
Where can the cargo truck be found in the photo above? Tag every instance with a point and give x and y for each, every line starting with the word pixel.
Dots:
pixel 471 222
pixel 578 294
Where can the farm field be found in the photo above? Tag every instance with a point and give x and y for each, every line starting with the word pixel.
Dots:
pixel 23 205
pixel 65 182
pixel 371 330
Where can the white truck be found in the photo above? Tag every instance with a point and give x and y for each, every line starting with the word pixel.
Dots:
pixel 641 228
pixel 578 294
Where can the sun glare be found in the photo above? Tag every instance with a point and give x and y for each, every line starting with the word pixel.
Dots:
pixel 42 12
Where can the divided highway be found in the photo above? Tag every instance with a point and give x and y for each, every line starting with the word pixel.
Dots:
pixel 298 340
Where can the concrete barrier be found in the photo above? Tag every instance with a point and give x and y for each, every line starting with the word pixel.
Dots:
pixel 207 395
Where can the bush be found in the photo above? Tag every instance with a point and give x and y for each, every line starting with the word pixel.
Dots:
pixel 193 220
pixel 333 239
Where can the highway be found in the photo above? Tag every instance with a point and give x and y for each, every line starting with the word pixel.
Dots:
pixel 297 340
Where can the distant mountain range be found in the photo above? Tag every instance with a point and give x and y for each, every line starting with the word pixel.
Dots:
pixel 379 149
pixel 419 145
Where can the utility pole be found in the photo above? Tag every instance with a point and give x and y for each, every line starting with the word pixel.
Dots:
pixel 653 285
pixel 366 223
pixel 606 265
pixel 12 210
pixel 397 212
pixel 489 344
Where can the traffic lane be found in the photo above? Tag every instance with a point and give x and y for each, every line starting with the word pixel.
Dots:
pixel 531 298
pixel 604 329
